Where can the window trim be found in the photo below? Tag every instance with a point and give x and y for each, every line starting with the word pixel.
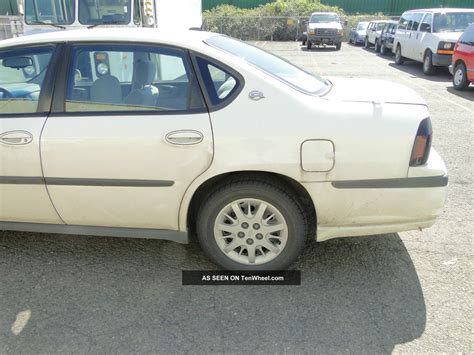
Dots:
pixel 238 78
pixel 47 89
pixel 58 108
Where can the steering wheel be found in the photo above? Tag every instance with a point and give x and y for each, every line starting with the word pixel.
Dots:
pixel 6 94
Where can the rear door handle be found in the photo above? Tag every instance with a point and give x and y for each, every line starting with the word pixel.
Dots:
pixel 184 137
pixel 16 138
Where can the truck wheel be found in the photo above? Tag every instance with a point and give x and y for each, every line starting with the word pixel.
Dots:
pixel 338 46
pixel 309 45
pixel 460 81
pixel 428 67
pixel 399 60
pixel 252 225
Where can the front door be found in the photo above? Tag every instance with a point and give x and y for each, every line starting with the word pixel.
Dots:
pixel 132 136
pixel 24 107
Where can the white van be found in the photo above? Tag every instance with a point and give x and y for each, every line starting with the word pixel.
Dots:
pixel 429 36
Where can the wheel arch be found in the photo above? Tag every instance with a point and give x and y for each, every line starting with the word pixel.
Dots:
pixel 188 211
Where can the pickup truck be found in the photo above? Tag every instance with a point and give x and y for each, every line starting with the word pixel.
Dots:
pixel 324 28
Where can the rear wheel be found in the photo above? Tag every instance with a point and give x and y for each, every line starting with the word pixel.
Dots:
pixel 399 60
pixel 366 43
pixel 383 49
pixel 428 67
pixel 252 225
pixel 304 42
pixel 309 44
pixel 460 81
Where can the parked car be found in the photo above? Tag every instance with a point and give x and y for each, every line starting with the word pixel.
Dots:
pixel 357 34
pixel 462 67
pixel 139 133
pixel 429 36
pixel 324 28
pixel 374 30
pixel 385 42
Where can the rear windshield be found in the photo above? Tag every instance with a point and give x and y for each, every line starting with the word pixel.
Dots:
pixel 272 64
pixel 452 21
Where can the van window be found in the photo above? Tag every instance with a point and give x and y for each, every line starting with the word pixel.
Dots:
pixel 22 72
pixel 428 18
pixel 404 20
pixel 415 21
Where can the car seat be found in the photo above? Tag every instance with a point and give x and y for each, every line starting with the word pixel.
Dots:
pixel 146 94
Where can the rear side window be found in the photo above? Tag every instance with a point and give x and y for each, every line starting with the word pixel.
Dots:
pixel 22 72
pixel 112 78
pixel 415 21
pixel 220 83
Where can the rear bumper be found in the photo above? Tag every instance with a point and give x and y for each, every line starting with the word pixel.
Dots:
pixel 442 60
pixel 365 207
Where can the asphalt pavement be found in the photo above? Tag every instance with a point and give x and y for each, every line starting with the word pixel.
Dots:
pixel 406 292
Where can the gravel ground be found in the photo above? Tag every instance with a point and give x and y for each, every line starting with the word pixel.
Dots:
pixel 406 292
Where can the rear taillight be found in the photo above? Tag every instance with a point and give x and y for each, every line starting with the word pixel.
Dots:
pixel 422 145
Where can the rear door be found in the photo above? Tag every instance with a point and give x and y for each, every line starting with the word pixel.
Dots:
pixel 129 136
pixel 25 100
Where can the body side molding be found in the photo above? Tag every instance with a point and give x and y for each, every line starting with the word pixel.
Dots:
pixel 58 181
pixel 399 183
pixel 140 233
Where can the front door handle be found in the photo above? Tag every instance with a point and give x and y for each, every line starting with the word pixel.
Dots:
pixel 184 137
pixel 16 138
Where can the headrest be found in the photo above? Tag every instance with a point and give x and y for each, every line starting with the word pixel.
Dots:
pixel 145 72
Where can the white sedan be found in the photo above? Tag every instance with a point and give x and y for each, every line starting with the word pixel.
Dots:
pixel 139 133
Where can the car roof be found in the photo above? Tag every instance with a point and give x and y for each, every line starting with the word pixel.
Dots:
pixel 378 21
pixel 186 39
pixel 442 10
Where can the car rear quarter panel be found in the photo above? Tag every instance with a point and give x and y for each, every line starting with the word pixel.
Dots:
pixel 266 135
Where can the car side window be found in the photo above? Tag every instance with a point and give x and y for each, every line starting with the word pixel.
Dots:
pixel 113 78
pixel 220 83
pixel 22 73
pixel 427 19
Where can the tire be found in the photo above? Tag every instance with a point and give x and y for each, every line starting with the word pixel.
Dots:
pixel 338 46
pixel 399 60
pixel 366 43
pixel 304 42
pixel 383 49
pixel 377 46
pixel 428 67
pixel 236 195
pixel 309 45
pixel 460 81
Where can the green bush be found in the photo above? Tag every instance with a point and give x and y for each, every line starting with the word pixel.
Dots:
pixel 257 24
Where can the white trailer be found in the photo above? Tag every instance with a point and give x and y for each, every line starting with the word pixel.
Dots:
pixel 52 15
